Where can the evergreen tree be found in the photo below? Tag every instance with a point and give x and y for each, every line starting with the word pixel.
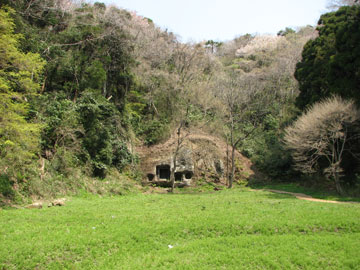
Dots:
pixel 331 63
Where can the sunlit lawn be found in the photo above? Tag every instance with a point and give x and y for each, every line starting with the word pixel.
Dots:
pixel 314 192
pixel 236 229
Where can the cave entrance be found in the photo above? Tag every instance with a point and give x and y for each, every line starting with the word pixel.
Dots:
pixel 188 175
pixel 163 172
pixel 178 176
pixel 150 177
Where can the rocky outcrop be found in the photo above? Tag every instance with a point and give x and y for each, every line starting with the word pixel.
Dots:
pixel 36 205
pixel 201 156
pixel 58 202
pixel 159 168
pixel 40 204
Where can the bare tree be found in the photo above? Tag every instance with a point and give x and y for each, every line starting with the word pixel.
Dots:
pixel 188 65
pixel 179 142
pixel 335 4
pixel 271 59
pixel 39 8
pixel 322 134
pixel 239 92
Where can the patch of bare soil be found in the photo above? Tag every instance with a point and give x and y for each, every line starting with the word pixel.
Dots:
pixel 302 196
pixel 156 190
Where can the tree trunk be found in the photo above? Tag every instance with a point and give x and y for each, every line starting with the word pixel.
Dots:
pixel 172 173
pixel 227 161
pixel 104 89
pixel 172 179
pixel 42 168
pixel 231 180
pixel 337 184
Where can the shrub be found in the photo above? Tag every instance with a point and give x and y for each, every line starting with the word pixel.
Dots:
pixel 6 189
pixel 320 138
pixel 153 131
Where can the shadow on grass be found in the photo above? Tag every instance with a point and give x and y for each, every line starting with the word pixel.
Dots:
pixel 277 196
pixel 296 188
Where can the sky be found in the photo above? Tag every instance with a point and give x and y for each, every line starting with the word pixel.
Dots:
pixel 222 20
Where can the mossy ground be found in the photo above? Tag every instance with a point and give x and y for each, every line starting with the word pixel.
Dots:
pixel 236 229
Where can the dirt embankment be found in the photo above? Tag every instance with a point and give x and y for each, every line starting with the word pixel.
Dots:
pixel 207 150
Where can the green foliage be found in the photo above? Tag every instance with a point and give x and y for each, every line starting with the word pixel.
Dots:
pixel 267 151
pixel 135 108
pixel 90 54
pixel 154 130
pixel 330 63
pixel 110 75
pixel 6 188
pixel 102 134
pixel 213 45
pixel 285 32
pixel 61 122
pixel 77 121
pixel 87 131
pixel 148 125
pixel 20 74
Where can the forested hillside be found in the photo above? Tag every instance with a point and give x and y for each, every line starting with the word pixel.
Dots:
pixel 82 84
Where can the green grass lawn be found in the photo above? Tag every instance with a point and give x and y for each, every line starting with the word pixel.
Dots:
pixel 237 229
pixel 314 192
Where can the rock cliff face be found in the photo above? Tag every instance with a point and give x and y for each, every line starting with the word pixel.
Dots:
pixel 159 167
pixel 200 156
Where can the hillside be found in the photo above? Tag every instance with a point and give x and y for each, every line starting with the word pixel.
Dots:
pixel 205 157
pixel 124 147
pixel 93 97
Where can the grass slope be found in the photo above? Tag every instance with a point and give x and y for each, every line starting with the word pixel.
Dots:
pixel 237 229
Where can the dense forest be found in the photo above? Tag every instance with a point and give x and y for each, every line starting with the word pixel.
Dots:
pixel 83 84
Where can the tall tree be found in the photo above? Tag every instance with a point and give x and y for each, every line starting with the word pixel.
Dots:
pixel 331 63
pixel 243 114
pixel 20 77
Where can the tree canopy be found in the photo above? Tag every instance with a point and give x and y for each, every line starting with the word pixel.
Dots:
pixel 331 63
pixel 82 84
pixel 20 75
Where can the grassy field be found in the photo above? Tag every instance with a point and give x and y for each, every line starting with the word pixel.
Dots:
pixel 237 229
pixel 314 192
